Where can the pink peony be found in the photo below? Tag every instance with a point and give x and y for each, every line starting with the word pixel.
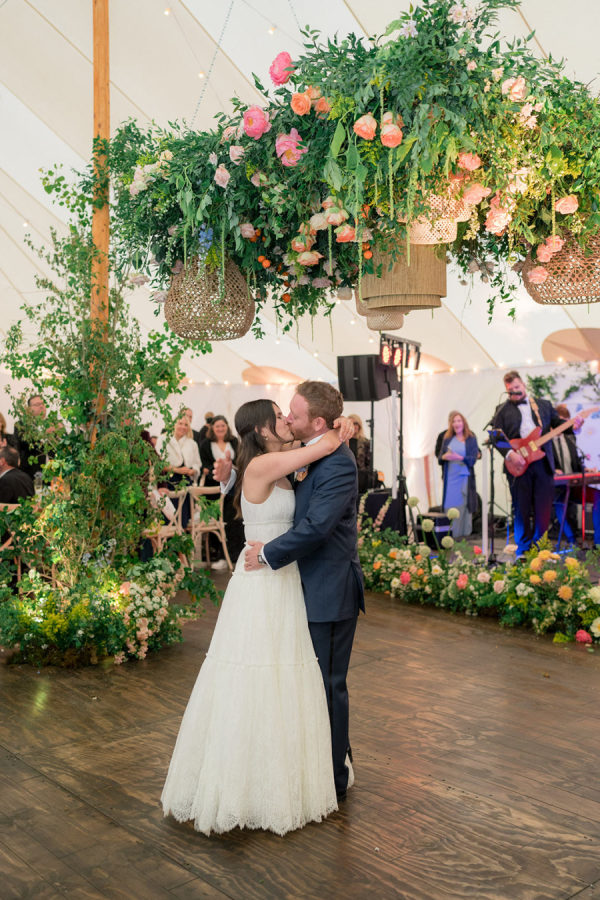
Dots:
pixel 335 216
pixel 554 243
pixel 475 193
pixel 365 127
pixel 222 176
pixel 538 275
pixel 344 234
pixel 405 577
pixel 516 88
pixel 566 205
pixel 582 637
pixel 544 254
pixel 391 135
pixel 247 230
pixel 256 122
pixel 309 258
pixel 462 581
pixel 301 103
pixel 236 153
pixel 468 161
pixel 281 68
pixel 288 149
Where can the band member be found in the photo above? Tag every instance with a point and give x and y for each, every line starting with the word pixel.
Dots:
pixel 533 489
pixel 567 462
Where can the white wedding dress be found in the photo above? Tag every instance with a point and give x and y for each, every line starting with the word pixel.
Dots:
pixel 254 746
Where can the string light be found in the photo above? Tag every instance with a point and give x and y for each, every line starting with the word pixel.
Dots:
pixel 271 30
pixel 560 359
pixel 529 362
pixel 207 383
pixel 25 224
pixel 452 370
pixel 353 321
pixel 201 74
pixel 315 353
pixel 167 11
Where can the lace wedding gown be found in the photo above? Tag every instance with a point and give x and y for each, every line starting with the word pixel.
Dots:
pixel 254 746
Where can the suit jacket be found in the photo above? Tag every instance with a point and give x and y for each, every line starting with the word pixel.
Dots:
pixel 323 539
pixel 15 484
pixel 576 465
pixel 508 418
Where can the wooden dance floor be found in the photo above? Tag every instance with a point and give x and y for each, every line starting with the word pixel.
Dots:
pixel 477 753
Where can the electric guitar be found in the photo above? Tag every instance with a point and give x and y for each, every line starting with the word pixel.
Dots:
pixel 528 447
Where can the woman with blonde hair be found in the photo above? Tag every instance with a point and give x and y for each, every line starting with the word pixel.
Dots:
pixel 361 447
pixel 458 455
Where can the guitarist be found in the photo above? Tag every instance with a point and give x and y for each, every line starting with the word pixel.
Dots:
pixel 533 490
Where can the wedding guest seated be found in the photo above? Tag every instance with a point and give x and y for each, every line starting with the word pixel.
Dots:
pixel 459 452
pixel 221 444
pixel 183 461
pixel 14 483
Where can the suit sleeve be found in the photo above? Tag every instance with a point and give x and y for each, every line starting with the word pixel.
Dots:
pixel 328 501
pixel 498 422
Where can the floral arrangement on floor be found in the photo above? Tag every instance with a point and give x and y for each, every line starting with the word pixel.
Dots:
pixel 544 591
pixel 358 142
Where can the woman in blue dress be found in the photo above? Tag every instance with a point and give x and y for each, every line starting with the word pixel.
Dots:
pixel 458 454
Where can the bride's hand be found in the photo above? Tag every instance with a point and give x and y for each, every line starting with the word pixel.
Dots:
pixel 345 427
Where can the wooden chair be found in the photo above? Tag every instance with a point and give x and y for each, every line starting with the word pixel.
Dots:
pixel 8 543
pixel 159 536
pixel 199 529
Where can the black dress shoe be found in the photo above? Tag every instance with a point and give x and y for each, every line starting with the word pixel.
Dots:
pixel 341 796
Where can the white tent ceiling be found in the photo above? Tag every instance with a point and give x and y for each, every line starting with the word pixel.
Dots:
pixel 161 52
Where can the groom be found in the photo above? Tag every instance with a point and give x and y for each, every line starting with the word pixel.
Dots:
pixel 323 540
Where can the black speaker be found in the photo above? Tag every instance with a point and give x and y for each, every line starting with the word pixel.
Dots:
pixel 395 517
pixel 365 378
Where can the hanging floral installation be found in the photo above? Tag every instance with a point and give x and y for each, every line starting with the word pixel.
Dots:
pixel 361 144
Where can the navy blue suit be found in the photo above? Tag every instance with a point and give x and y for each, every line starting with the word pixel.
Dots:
pixel 323 541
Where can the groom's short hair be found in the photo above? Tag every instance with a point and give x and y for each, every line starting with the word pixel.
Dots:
pixel 322 399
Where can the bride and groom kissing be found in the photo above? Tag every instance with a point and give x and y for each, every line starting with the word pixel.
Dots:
pixel 264 739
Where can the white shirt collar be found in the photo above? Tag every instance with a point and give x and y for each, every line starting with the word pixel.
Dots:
pixel 314 440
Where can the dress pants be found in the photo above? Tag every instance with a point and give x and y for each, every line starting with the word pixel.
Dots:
pixel 532 495
pixel 333 645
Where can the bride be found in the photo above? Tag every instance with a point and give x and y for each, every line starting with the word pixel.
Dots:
pixel 254 746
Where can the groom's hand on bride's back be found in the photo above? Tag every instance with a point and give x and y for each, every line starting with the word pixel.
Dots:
pixel 222 468
pixel 346 428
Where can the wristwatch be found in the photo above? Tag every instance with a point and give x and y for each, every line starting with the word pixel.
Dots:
pixel 260 559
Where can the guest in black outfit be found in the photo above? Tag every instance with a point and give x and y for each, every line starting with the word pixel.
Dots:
pixel 567 462
pixel 14 483
pixel 361 447
pixel 533 490
pixel 221 444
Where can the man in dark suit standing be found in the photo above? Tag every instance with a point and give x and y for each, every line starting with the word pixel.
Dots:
pixel 533 490
pixel 14 483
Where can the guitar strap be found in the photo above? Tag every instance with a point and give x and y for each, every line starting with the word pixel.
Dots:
pixel 536 411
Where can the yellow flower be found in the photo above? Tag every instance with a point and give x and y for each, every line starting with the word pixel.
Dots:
pixel 544 554
pixel 536 564
pixel 555 556
pixel 550 575
pixel 376 543
pixel 571 561
pixel 565 592
pixel 535 579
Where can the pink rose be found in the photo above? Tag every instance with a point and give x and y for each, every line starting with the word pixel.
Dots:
pixel 247 230
pixel 544 254
pixel 475 193
pixel 281 68
pixel 344 234
pixel 468 161
pixel 497 220
pixel 462 581
pixel 301 103
pixel 566 205
pixel 477 550
pixel 582 637
pixel 256 122
pixel 405 577
pixel 236 153
pixel 335 216
pixel 227 135
pixel 365 127
pixel 288 149
pixel 554 243
pixel 499 586
pixel 259 179
pixel 222 176
pixel 309 258
pixel 538 275
pixel 516 88
pixel 391 135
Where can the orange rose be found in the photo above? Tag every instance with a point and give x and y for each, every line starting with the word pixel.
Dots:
pixel 565 592
pixel 377 565
pixel 301 103
pixel 322 107
pixel 365 127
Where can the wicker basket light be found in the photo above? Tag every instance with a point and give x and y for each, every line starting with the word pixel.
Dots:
pixel 195 309
pixel 440 226
pixel 574 275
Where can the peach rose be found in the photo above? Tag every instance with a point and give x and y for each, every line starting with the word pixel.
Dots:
pixel 516 88
pixel 475 193
pixel 497 219
pixel 313 92
pixel 309 258
pixel 256 122
pixel 365 127
pixel 544 254
pixel 236 154
pixel 554 243
pixel 222 176
pixel 538 275
pixel 335 216
pixel 322 107
pixel 391 135
pixel 344 234
pixel 567 205
pixel 328 202
pixel 287 147
pixel 301 103
pixel 300 244
pixel 318 222
pixel 281 68
pixel 247 230
pixel 468 161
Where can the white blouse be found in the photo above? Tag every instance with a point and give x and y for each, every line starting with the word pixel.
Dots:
pixel 220 454
pixel 182 452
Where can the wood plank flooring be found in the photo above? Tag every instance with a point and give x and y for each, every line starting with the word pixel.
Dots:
pixel 476 757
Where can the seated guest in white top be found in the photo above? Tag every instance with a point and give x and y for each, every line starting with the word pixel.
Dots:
pixel 181 453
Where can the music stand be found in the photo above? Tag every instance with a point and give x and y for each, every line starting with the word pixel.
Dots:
pixel 497 440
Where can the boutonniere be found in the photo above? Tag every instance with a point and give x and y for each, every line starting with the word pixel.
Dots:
pixel 301 474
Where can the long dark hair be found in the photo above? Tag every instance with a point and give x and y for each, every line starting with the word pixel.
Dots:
pixel 249 419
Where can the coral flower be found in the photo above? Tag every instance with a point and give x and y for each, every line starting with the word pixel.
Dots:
pixel 309 258
pixel 468 161
pixel 365 127
pixel 322 107
pixel 281 68
pixel 538 275
pixel 288 149
pixel 377 565
pixel 405 577
pixel 335 216
pixel 462 581
pixel 516 88
pixel 582 637
pixel 544 254
pixel 497 220
pixel 328 202
pixel 222 176
pixel 475 193
pixel 391 135
pixel 344 234
pixel 300 244
pixel 301 103
pixel 256 122
pixel 554 243
pixel 566 205
pixel 313 92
